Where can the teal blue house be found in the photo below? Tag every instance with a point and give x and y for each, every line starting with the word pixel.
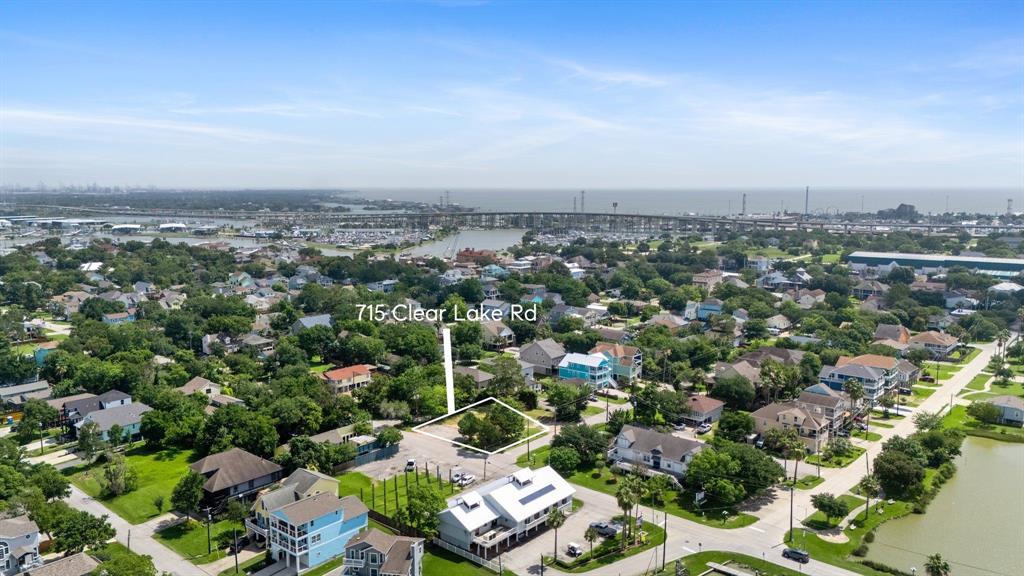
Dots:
pixel 315 530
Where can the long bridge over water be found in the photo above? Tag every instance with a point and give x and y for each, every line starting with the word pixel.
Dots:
pixel 609 222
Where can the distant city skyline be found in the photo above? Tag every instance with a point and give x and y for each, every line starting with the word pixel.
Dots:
pixel 504 95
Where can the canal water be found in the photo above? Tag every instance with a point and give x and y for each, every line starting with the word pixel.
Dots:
pixel 976 521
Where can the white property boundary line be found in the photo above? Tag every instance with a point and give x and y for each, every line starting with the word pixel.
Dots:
pixel 543 429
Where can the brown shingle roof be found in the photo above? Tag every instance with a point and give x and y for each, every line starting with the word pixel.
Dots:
pixel 231 468
pixel 78 565
pixel 704 404
pixel 309 509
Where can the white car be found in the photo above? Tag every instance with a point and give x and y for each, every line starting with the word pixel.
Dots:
pixel 466 480
pixel 410 465
pixel 679 427
pixel 704 428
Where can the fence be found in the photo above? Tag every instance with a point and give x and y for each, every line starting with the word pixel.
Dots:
pixel 489 564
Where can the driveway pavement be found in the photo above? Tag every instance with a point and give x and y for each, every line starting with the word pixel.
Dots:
pixel 139 537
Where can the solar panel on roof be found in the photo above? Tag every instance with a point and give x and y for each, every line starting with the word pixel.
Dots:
pixel 531 497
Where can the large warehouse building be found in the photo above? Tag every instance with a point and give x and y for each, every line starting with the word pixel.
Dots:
pixel 935 263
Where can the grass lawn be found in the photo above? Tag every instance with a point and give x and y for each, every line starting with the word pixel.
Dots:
pixel 971 355
pixel 612 399
pixel 373 493
pixel 869 435
pixel 958 418
pixel 326 567
pixel 609 551
pixel 881 415
pixel 839 554
pixel 188 539
pixel 838 462
pixel 770 252
pixel 698 564
pixel 945 370
pixel 112 552
pixel 923 392
pixel 539 413
pixel 818 521
pixel 875 423
pixel 591 410
pixel 319 368
pixel 680 507
pixel 979 381
pixel 805 483
pixel 158 473
pixel 439 561
pixel 1012 388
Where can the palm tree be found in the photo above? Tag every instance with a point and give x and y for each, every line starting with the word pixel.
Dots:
pixel 936 566
pixel 869 487
pixel 591 536
pixel 626 496
pixel 555 519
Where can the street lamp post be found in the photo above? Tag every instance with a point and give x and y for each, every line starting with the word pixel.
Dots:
pixel 209 542
pixel 40 438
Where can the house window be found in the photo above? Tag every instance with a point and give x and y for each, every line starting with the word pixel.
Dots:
pixel 373 572
pixel 373 558
pixel 315 538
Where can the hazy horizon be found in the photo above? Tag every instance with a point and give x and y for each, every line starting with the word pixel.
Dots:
pixel 513 95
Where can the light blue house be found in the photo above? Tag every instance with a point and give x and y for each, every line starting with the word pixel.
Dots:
pixel 595 369
pixel 43 350
pixel 494 270
pixel 709 308
pixel 314 530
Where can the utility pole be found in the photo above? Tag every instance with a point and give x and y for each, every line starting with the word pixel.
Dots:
pixel 234 536
pixel 807 200
pixel 743 210
pixel 209 542
pixel 789 536
pixel 583 200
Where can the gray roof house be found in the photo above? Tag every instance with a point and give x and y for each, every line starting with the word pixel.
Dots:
pixel 79 564
pixel 647 450
pixel 373 552
pixel 544 354
pixel 1011 409
pixel 310 321
pixel 19 545
pixel 234 473
pixel 127 416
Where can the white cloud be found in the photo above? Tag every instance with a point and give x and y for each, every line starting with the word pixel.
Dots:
pixel 612 77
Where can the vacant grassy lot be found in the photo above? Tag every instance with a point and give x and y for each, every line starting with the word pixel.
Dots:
pixel 438 561
pixel 391 494
pixel 698 564
pixel 188 539
pixel 158 473
pixel 838 462
pixel 958 418
pixel 805 483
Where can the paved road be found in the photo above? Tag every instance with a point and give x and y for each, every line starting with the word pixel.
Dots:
pixel 142 542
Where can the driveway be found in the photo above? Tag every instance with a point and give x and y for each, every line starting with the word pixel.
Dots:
pixel 139 538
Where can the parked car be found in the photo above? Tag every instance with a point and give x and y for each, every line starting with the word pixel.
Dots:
pixel 862 426
pixel 466 480
pixel 680 427
pixel 242 543
pixel 843 433
pixel 574 550
pixel 704 428
pixel 801 556
pixel 759 442
pixel 457 475
pixel 605 529
pixel 410 465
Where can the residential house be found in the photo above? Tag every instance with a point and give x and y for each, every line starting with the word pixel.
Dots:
pixel 670 321
pixel 627 362
pixel 708 279
pixel 590 316
pixel 505 511
pixel 709 307
pixel 375 553
pixel 703 410
pixel 609 334
pixel 496 308
pixel 241 279
pixel 301 483
pixel 68 303
pixel 234 473
pixel 307 533
pixel 812 431
pixel 957 299
pixel 115 318
pixel 470 255
pixel 171 300
pixel 940 344
pixel 80 564
pixel 546 355
pixel 906 375
pixel 868 288
pixel 19 545
pixel 15 396
pixel 1011 409
pixel 646 450
pixel 345 380
pixel 595 369
pixel 83 405
pixel 778 324
pixel 311 321
pixel 480 378
pixel 494 271
pixel 749 365
pixel 877 374
pixel 127 416
pixel 384 286
pixel 832 407
pixel 496 335
pixel 894 332
pixel 805 299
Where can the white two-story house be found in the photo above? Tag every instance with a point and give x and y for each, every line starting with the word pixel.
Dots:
pixel 19 545
pixel 645 450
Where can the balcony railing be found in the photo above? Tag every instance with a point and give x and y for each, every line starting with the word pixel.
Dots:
pixel 354 562
pixel 251 525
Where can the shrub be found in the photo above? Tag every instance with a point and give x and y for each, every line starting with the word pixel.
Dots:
pixel 861 550
pixel 869 537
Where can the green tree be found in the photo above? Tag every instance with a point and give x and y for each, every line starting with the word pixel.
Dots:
pixel 735 425
pixel 898 474
pixel 126 565
pixel 736 391
pixel 188 493
pixel 119 476
pixel 927 420
pixel 869 487
pixel 50 481
pixel 35 415
pixel 936 566
pixel 89 440
pixel 568 401
pixel 829 505
pixel 556 518
pixel 564 459
pixel 984 412
pixel 423 504
pixel 76 530
pixel 591 536
pixel 387 436
pixel 586 440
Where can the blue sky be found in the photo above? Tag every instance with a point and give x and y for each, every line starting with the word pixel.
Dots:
pixel 525 94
